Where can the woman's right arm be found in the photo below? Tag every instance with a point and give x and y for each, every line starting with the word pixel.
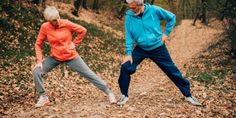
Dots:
pixel 39 42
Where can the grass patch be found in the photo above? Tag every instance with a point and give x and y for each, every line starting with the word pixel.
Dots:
pixel 213 66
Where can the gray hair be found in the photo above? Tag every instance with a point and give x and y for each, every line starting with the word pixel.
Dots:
pixel 140 2
pixel 51 13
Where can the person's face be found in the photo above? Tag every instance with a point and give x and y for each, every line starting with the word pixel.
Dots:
pixel 137 9
pixel 55 22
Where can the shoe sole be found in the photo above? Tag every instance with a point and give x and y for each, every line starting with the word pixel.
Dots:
pixel 44 105
pixel 193 103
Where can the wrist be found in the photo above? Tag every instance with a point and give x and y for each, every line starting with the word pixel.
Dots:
pixel 164 35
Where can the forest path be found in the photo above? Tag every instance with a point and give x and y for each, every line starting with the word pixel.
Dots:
pixel 152 94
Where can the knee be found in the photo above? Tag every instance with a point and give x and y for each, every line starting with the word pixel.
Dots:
pixel 37 71
pixel 126 67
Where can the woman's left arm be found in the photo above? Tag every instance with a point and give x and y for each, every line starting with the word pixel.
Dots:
pixel 79 29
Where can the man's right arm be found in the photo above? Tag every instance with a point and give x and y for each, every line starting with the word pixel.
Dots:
pixel 128 42
pixel 128 38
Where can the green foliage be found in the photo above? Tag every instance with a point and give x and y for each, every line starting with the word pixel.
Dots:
pixel 213 67
pixel 2 4
pixel 205 77
pixel 19 37
pixel 229 12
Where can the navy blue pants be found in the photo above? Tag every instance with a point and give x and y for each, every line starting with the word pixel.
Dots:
pixel 162 58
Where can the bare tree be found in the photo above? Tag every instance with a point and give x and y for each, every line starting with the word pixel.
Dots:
pixel 229 12
pixel 172 6
pixel 150 1
pixel 202 12
pixel 96 6
pixel 121 8
pixel 41 3
pixel 77 6
pixel 185 7
pixel 84 4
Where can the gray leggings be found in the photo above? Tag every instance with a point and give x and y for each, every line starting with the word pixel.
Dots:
pixel 76 64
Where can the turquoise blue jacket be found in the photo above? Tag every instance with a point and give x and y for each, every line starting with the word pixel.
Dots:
pixel 146 31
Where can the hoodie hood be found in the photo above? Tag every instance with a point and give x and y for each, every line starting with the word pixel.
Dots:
pixel 146 7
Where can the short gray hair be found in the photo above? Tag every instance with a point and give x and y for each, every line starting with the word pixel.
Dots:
pixel 51 13
pixel 137 1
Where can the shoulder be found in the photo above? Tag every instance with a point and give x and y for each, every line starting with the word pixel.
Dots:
pixel 65 21
pixel 45 25
pixel 129 15
pixel 157 9
pixel 128 12
pixel 154 7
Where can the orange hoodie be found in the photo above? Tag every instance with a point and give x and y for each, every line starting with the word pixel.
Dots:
pixel 59 38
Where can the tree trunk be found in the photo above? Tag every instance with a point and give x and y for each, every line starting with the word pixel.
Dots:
pixel 185 8
pixel 84 4
pixel 77 5
pixel 204 12
pixel 172 6
pixel 122 12
pixel 233 43
pixel 96 6
pixel 196 17
pixel 152 2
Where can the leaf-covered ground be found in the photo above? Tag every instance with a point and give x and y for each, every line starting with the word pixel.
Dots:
pixel 19 29
pixel 210 70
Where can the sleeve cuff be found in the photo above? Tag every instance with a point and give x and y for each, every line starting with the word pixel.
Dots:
pixel 129 53
pixel 167 33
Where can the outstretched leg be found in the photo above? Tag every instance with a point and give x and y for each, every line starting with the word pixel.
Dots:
pixel 48 64
pixel 81 67
pixel 162 58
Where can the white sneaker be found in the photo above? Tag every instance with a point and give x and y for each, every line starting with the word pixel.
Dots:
pixel 112 98
pixel 42 101
pixel 123 99
pixel 193 101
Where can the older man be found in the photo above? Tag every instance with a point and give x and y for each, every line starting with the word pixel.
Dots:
pixel 143 27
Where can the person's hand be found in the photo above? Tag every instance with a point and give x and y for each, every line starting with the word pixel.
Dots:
pixel 164 38
pixel 71 46
pixel 127 58
pixel 38 65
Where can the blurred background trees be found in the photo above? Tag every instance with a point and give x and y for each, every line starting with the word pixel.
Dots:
pixel 229 13
pixel 202 10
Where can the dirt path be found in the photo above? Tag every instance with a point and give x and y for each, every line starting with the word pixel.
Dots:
pixel 152 94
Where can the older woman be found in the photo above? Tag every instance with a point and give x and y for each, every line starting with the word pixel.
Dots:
pixel 58 32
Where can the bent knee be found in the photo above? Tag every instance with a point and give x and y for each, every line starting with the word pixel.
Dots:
pixel 127 67
pixel 37 71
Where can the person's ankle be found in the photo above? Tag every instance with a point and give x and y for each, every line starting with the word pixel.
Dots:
pixel 112 98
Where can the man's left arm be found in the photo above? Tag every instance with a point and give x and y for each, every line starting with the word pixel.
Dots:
pixel 169 17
